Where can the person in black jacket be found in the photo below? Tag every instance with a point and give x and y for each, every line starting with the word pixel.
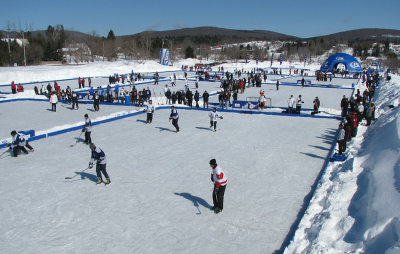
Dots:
pixel 179 97
pixel 174 97
pixel 344 104
pixel 189 97
pixel 197 98
pixel 74 100
pixel 205 99
pixel 168 95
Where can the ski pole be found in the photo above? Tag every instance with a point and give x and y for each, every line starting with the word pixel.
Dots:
pixel 71 177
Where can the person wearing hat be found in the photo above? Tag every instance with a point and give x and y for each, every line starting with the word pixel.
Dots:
pixel 213 118
pixel 100 157
pixel 149 109
pixel 218 177
pixel 175 117
pixel 87 128
pixel 19 141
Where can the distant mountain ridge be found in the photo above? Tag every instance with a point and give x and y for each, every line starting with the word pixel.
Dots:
pixel 219 32
pixel 235 35
pixel 376 34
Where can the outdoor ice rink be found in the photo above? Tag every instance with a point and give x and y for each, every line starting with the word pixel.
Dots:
pixel 160 195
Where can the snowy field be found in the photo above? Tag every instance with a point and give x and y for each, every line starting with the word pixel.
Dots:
pixel 160 195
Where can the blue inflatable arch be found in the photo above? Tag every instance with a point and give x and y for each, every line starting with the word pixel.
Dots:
pixel 351 64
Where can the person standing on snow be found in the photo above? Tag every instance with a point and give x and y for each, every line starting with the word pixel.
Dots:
pixel 53 101
pixel 261 100
pixel 299 101
pixel 96 100
pixel 74 100
pixel 175 117
pixel 100 157
pixel 197 98
pixel 344 104
pixel 149 109
pixel 341 140
pixel 87 128
pixel 317 103
pixel 291 103
pixel 205 99
pixel 218 177
pixel 213 118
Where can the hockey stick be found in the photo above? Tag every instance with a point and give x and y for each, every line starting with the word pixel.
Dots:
pixel 8 149
pixel 71 177
pixel 77 140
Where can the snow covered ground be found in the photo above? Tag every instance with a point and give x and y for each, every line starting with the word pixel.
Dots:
pixel 160 194
pixel 356 207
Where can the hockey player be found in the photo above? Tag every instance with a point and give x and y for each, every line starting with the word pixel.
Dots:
pixel 218 177
pixel 99 156
pixel 149 109
pixel 299 101
pixel 213 118
pixel 175 117
pixel 261 100
pixel 19 141
pixel 87 128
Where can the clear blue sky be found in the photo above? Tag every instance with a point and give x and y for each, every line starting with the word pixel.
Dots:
pixel 305 18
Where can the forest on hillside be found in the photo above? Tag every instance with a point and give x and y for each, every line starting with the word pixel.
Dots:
pixel 56 44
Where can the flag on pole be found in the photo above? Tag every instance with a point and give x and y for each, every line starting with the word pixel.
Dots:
pixel 247 57
pixel 280 59
pixel 305 59
pixel 256 60
pixel 164 56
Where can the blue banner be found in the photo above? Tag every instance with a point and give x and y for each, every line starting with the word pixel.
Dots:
pixel 164 56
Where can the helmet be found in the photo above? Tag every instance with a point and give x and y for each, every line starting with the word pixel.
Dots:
pixel 262 92
pixel 92 146
pixel 213 162
pixel 13 133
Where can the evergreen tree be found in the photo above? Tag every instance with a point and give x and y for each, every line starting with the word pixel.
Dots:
pixel 189 52
pixel 111 35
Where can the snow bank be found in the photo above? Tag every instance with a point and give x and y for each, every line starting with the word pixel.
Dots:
pixel 356 207
pixel 59 72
